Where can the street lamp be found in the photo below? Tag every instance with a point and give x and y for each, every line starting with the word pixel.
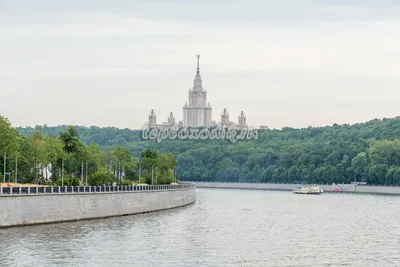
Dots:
pixel 4 172
pixel 152 181
pixel 16 169
pixel 139 173
pixel 62 172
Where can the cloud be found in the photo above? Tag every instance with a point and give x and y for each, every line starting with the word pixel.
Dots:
pixel 255 56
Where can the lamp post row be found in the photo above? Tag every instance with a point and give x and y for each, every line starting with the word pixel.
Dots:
pixel 82 172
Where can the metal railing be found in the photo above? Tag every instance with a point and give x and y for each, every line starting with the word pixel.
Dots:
pixel 90 189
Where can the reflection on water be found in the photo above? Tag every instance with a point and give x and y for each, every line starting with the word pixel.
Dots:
pixel 223 228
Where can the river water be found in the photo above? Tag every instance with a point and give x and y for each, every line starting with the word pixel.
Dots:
pixel 223 228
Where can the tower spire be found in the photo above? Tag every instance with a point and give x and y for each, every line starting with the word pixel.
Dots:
pixel 198 65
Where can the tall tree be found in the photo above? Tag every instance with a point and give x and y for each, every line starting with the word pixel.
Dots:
pixel 8 137
pixel 50 153
pixel 71 140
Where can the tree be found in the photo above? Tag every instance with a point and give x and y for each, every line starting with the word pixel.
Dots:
pixel 31 149
pixel 50 153
pixel 149 161
pixel 393 176
pixel 96 158
pixel 314 154
pixel 125 162
pixel 76 152
pixel 385 152
pixel 8 137
pixel 377 173
pixel 359 163
pixel 71 141
pixel 293 173
pixel 101 178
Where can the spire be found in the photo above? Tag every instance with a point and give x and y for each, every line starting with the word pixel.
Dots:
pixel 198 84
pixel 198 65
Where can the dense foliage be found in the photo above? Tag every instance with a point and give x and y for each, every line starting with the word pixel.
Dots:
pixel 367 152
pixel 62 158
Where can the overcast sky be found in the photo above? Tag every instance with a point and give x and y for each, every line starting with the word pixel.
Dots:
pixel 284 63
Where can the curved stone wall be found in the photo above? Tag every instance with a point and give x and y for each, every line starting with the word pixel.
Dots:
pixel 28 209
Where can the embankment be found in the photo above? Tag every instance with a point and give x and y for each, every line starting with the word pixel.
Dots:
pixel 345 188
pixel 34 206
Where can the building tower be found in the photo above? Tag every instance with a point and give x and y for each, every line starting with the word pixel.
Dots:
pixel 171 119
pixel 152 119
pixel 225 117
pixel 242 121
pixel 197 113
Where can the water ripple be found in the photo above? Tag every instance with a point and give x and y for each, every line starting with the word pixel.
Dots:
pixel 223 228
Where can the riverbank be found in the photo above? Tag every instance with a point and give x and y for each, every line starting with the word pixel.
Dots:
pixel 343 188
pixel 28 207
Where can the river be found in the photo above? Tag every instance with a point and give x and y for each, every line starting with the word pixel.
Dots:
pixel 223 228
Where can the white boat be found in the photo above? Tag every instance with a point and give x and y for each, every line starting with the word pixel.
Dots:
pixel 308 189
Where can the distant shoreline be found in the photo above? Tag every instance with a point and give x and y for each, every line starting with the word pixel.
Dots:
pixel 344 188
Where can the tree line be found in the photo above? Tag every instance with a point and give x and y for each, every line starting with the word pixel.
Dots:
pixel 368 152
pixel 62 158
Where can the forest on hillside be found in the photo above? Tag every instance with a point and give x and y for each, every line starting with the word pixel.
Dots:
pixel 368 152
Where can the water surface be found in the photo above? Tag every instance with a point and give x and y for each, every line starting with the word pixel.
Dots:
pixel 223 228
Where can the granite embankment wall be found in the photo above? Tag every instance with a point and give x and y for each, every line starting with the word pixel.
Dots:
pixel 346 188
pixel 28 209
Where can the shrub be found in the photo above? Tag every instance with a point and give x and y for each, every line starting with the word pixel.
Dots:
pixel 126 182
pixel 101 178
pixel 68 181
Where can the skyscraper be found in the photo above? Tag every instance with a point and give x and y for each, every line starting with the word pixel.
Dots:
pixel 198 112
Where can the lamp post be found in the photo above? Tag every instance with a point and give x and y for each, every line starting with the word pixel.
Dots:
pixel 16 170
pixel 119 172
pixel 4 172
pixel 355 182
pixel 62 172
pixel 139 174
pixel 82 173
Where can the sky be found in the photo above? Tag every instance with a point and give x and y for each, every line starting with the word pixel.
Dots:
pixel 286 63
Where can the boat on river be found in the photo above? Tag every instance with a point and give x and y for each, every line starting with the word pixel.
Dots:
pixel 308 189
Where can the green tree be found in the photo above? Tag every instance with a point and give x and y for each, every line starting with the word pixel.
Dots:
pixel 148 164
pixel 51 152
pixel 377 173
pixel 125 162
pixel 359 164
pixel 71 140
pixel 101 178
pixel 9 138
pixel 385 152
pixel 338 153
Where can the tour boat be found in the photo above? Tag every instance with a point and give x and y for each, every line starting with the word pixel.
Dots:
pixel 308 189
